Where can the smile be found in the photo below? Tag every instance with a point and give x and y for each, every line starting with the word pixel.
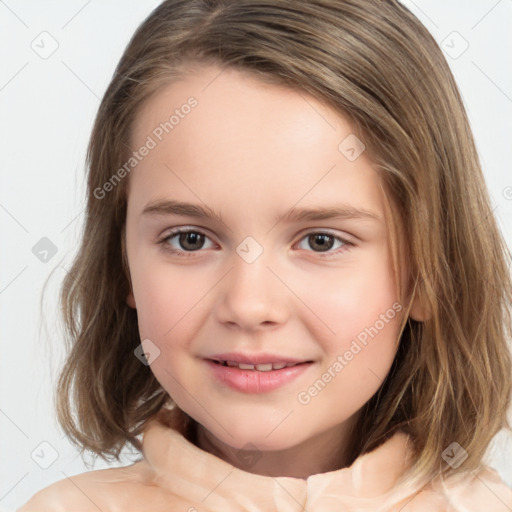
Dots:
pixel 254 377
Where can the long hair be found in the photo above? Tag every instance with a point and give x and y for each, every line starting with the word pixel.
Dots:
pixel 375 63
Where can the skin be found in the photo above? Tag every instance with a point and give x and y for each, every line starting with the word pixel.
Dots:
pixel 252 151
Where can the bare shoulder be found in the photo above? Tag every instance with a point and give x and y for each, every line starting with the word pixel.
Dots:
pixel 104 489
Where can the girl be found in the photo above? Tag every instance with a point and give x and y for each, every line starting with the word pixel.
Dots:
pixel 291 293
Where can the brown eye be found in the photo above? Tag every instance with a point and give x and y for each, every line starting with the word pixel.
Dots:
pixel 183 241
pixel 321 242
pixel 191 241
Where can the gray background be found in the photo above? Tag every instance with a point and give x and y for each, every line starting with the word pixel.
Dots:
pixel 47 105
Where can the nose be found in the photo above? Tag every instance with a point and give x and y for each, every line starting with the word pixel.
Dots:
pixel 251 297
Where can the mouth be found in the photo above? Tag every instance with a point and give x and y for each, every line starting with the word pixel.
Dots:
pixel 260 367
pixel 255 373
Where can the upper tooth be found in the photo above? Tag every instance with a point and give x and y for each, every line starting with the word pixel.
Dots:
pixel 264 367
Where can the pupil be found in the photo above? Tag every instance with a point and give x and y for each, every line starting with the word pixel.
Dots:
pixel 322 241
pixel 193 239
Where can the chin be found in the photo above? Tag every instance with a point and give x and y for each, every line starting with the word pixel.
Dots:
pixel 254 434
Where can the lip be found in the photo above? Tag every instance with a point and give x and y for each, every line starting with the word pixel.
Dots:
pixel 253 381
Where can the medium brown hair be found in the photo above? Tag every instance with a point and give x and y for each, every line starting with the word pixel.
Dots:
pixel 375 63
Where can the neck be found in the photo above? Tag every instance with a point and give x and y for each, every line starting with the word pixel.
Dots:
pixel 319 454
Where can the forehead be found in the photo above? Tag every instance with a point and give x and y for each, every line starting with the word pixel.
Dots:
pixel 214 128
pixel 230 107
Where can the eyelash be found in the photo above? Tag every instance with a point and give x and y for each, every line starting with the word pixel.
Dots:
pixel 164 243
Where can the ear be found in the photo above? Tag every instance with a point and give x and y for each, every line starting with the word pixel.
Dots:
pixel 130 300
pixel 419 310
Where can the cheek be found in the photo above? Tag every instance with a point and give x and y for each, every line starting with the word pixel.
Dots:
pixel 167 297
pixel 349 299
pixel 357 358
pixel 169 304
pixel 360 308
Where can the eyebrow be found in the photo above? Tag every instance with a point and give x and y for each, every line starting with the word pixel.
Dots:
pixel 171 207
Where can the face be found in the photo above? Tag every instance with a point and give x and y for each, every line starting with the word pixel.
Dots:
pixel 254 238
